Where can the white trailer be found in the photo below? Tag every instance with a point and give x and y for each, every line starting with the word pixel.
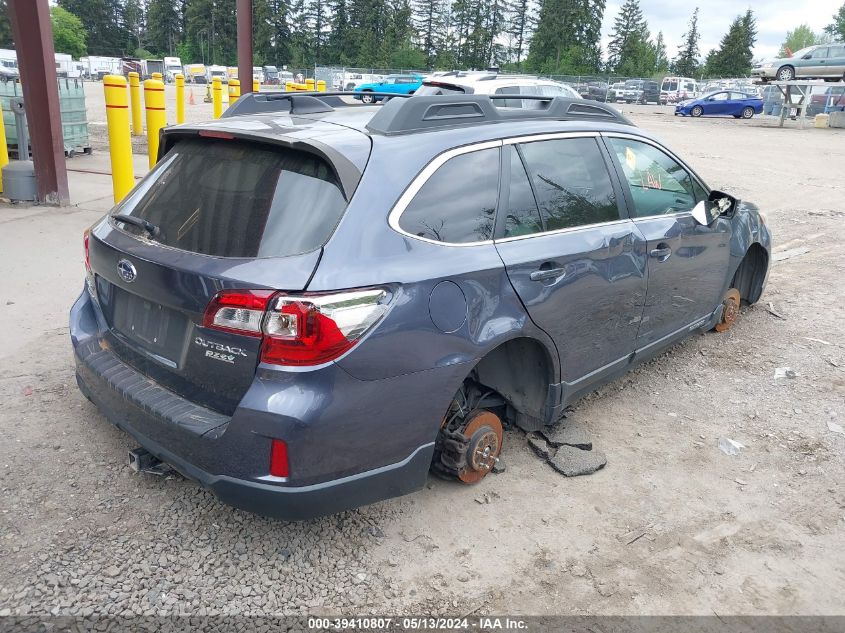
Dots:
pixel 172 67
pixel 97 66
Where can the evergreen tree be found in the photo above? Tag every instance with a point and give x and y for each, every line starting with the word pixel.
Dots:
pixel 519 28
pixel 430 23
pixel 280 33
pixel 567 37
pixel 734 55
pixel 687 62
pixel 6 40
pixel 133 24
pixel 340 43
pixel 262 33
pixel 836 29
pixel 661 59
pixel 164 26
pixel 629 52
pixel 104 25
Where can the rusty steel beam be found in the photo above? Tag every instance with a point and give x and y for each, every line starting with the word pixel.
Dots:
pixel 244 17
pixel 33 36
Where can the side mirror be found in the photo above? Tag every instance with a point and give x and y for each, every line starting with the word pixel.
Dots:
pixel 706 211
pixel 700 213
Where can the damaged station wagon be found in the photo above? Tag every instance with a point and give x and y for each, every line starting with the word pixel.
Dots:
pixel 307 304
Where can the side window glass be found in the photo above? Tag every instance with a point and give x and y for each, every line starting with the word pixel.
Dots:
pixel 571 182
pixel 522 217
pixel 458 203
pixel 820 53
pixel 659 185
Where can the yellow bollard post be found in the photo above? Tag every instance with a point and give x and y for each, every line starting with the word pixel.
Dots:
pixel 135 95
pixel 309 84
pixel 4 149
pixel 217 96
pixel 156 116
pixel 234 90
pixel 120 141
pixel 156 76
pixel 321 86
pixel 256 85
pixel 179 78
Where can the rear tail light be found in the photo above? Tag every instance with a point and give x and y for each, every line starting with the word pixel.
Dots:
pixel 300 330
pixel 279 459
pixel 309 330
pixel 237 311
pixel 89 274
pixel 86 235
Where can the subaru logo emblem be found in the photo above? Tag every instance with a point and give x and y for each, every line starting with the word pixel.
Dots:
pixel 126 270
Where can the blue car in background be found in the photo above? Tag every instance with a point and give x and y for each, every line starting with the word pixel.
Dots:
pixel 397 84
pixel 722 103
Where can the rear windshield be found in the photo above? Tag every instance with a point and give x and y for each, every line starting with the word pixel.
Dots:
pixel 234 199
pixel 439 89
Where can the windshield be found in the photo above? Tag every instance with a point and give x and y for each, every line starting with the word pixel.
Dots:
pixel 238 199
pixel 803 51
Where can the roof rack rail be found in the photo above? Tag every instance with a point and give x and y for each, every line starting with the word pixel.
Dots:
pixel 297 102
pixel 430 112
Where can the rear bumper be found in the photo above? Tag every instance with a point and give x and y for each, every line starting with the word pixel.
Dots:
pixel 230 456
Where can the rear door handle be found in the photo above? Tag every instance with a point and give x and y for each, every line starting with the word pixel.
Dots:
pixel 547 273
pixel 661 252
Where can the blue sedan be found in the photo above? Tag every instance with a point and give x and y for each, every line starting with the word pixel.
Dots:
pixel 722 103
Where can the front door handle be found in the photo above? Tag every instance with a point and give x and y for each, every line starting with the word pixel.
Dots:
pixel 547 273
pixel 661 252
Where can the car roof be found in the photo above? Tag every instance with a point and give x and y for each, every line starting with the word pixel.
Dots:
pixel 348 133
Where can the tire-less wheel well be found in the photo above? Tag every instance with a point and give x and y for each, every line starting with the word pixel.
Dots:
pixel 519 370
pixel 751 273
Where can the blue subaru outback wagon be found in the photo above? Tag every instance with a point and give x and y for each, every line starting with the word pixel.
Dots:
pixel 307 305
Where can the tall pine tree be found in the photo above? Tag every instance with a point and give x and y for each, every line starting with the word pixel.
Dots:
pixel 687 63
pixel 567 37
pixel 735 52
pixel 163 26
pixel 630 53
pixel 520 28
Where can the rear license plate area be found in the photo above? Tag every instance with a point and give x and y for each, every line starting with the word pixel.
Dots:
pixel 152 326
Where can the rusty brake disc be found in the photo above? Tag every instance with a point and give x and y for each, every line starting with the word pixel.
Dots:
pixel 731 311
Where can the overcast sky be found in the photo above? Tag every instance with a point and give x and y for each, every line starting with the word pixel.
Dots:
pixel 774 19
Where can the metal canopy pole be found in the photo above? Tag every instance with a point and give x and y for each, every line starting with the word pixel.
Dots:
pixel 37 62
pixel 244 17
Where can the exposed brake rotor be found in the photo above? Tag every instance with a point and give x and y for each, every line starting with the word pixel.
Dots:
pixel 730 313
pixel 469 450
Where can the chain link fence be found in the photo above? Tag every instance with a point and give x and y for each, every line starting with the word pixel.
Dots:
pixel 611 88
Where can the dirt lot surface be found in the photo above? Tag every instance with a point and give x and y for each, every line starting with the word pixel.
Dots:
pixel 672 525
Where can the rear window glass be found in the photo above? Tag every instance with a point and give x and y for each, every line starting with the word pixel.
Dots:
pixel 236 199
pixel 439 89
pixel 458 203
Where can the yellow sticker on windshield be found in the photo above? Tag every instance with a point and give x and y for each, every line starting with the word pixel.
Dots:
pixel 630 158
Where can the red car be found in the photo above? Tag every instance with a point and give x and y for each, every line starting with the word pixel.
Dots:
pixel 826 101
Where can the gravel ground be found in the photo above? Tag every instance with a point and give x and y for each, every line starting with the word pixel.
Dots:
pixel 670 526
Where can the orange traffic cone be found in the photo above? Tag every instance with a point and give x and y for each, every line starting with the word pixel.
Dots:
pixel 191 97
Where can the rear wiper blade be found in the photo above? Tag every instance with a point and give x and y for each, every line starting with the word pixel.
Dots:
pixel 149 227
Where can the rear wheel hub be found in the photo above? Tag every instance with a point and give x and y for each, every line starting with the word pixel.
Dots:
pixel 468 449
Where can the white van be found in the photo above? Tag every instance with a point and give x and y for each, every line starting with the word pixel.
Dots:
pixel 677 89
